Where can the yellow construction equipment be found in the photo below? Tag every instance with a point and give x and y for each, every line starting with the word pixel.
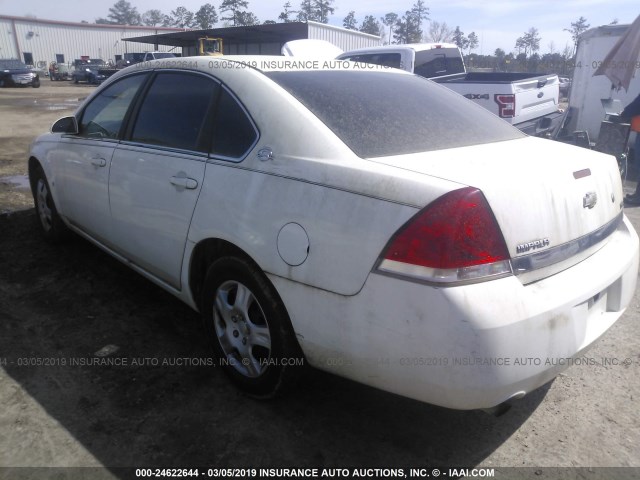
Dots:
pixel 210 46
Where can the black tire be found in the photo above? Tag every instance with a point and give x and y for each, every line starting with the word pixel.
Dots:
pixel 51 225
pixel 75 79
pixel 249 328
pixel 36 83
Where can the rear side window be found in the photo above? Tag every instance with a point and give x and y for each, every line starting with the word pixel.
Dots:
pixel 103 117
pixel 438 62
pixel 233 131
pixel 377 114
pixel 174 111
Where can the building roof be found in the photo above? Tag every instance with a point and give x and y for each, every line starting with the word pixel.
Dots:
pixel 34 20
pixel 274 32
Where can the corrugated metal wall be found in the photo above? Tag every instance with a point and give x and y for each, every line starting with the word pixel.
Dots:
pixel 341 37
pixel 44 40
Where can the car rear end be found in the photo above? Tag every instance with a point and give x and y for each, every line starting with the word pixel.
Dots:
pixel 487 291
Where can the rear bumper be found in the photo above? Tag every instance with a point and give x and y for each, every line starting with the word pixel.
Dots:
pixel 466 347
pixel 542 126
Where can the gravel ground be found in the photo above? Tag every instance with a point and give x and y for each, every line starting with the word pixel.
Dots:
pixel 68 303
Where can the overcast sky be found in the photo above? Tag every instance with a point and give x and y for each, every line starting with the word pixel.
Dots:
pixel 497 23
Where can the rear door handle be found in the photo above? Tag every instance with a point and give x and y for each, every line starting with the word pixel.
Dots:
pixel 184 182
pixel 98 162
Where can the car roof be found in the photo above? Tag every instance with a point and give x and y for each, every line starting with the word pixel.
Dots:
pixel 263 63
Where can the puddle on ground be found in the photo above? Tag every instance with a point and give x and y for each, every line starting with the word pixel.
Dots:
pixel 17 181
pixel 48 104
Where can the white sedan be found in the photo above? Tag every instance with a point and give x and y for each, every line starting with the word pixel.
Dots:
pixel 361 220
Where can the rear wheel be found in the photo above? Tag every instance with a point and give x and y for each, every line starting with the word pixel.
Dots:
pixel 250 331
pixel 53 228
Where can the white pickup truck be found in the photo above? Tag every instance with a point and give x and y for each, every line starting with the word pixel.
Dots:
pixel 527 101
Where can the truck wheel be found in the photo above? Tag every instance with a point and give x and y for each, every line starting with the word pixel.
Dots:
pixel 249 328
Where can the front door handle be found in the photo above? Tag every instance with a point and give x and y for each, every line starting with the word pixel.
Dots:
pixel 98 162
pixel 184 182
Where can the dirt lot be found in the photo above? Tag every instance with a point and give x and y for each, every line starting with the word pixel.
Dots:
pixel 65 304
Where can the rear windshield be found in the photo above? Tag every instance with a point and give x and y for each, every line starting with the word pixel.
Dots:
pixel 378 114
pixel 437 62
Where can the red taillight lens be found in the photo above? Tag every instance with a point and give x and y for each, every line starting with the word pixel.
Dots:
pixel 455 238
pixel 506 105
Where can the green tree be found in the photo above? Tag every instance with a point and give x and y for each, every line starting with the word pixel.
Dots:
pixel 323 9
pixel 390 20
pixel 153 18
pixel 206 16
pixel 285 15
pixel 315 10
pixel 500 59
pixel 371 26
pixel 234 8
pixel 401 31
pixel 577 28
pixel 122 13
pixel 247 18
pixel 528 43
pixel 350 21
pixel 418 13
pixel 306 11
pixel 459 39
pixel 182 18
pixel 472 41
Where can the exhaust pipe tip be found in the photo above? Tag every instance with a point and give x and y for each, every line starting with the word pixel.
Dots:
pixel 505 406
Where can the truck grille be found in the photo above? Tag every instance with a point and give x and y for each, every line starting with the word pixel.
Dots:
pixel 22 77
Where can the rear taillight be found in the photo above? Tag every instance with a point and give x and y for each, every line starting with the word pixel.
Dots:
pixel 506 105
pixel 454 239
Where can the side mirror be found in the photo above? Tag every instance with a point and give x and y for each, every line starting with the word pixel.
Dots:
pixel 65 125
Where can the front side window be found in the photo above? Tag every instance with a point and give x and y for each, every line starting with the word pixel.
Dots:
pixel 174 112
pixel 103 117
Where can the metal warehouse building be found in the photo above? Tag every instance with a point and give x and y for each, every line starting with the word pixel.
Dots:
pixel 38 42
pixel 265 39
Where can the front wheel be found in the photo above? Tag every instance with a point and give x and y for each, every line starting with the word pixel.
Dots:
pixel 53 228
pixel 250 330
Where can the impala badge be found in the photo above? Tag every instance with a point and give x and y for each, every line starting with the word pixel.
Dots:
pixel 533 245
pixel 589 200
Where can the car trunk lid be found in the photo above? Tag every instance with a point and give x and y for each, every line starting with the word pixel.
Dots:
pixel 555 204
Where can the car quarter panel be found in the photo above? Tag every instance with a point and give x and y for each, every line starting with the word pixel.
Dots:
pixel 347 207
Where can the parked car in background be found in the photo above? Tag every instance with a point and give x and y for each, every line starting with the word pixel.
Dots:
pixel 90 71
pixel 129 59
pixel 386 234
pixel 14 73
pixel 565 85
pixel 148 56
